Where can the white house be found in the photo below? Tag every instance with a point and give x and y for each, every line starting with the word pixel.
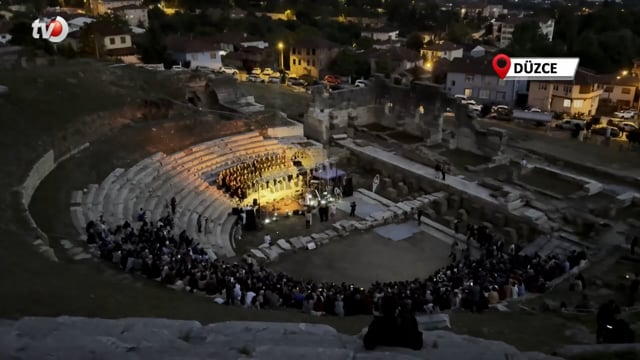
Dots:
pixel 198 52
pixel 381 34
pixel 136 15
pixel 503 30
pixel 442 50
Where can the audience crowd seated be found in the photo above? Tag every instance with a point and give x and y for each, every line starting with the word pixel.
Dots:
pixel 156 253
pixel 240 180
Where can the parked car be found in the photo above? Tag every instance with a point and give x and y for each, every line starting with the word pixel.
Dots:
pixel 332 80
pixel 626 126
pixel 462 98
pixel 255 78
pixel 602 130
pixel 274 79
pixel 499 108
pixel 361 83
pixel 267 72
pixel 228 70
pixel 625 114
pixel 294 81
pixel 570 124
pixel 533 109
pixel 474 106
pixel 178 68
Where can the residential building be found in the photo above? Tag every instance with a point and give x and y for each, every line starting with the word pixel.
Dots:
pixel 578 96
pixel 112 42
pixel 475 78
pixel 503 30
pixel 232 41
pixel 368 22
pixel 197 52
pixel 311 56
pixel 250 57
pixel 395 59
pixel 492 11
pixel 381 34
pixel 5 37
pixel 619 90
pixel 100 7
pixel 136 15
pixel 441 50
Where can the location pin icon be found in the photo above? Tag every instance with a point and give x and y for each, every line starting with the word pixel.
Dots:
pixel 501 65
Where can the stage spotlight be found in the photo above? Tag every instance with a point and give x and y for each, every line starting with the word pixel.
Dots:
pixel 323 202
pixel 266 221
pixel 289 213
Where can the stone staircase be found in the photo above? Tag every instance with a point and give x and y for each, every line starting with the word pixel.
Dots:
pixel 147 338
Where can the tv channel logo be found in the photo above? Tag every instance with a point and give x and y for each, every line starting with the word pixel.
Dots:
pixel 55 30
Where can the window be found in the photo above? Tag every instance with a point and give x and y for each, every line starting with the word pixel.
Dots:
pixel 566 103
pixel 542 86
pixel 293 61
pixel 626 91
pixel 468 92
pixel 468 79
pixel 112 40
pixel 608 89
pixel 501 95
pixel 293 51
pixel 214 55
pixel 503 83
pixel 123 39
pixel 556 87
pixel 566 88
pixel 308 52
pixel 313 63
pixel 487 80
pixel 453 83
pixel 578 103
pixel 313 52
pixel 484 94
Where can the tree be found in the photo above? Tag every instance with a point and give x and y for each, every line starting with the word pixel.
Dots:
pixel 458 33
pixel 154 50
pixel 364 43
pixel 349 63
pixel 415 41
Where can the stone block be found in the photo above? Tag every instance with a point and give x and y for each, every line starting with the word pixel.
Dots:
pixel 449 221
pixel 295 241
pixel 391 193
pixel 454 202
pixel 402 189
pixel 331 233
pixel 318 236
pixel 284 244
pixel 440 206
pixel 338 228
pixel 386 183
pixel 258 254
pixel 433 321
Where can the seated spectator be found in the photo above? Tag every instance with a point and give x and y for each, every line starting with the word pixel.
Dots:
pixel 396 327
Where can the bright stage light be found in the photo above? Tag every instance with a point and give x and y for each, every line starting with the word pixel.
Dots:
pixel 266 221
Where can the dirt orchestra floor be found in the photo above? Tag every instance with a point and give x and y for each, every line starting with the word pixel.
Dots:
pixel 365 257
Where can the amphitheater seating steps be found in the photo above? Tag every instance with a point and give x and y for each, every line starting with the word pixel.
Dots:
pixel 153 181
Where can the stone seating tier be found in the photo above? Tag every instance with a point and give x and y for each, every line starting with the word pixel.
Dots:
pixel 152 182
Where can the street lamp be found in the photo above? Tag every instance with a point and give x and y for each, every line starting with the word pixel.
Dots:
pixel 281 48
